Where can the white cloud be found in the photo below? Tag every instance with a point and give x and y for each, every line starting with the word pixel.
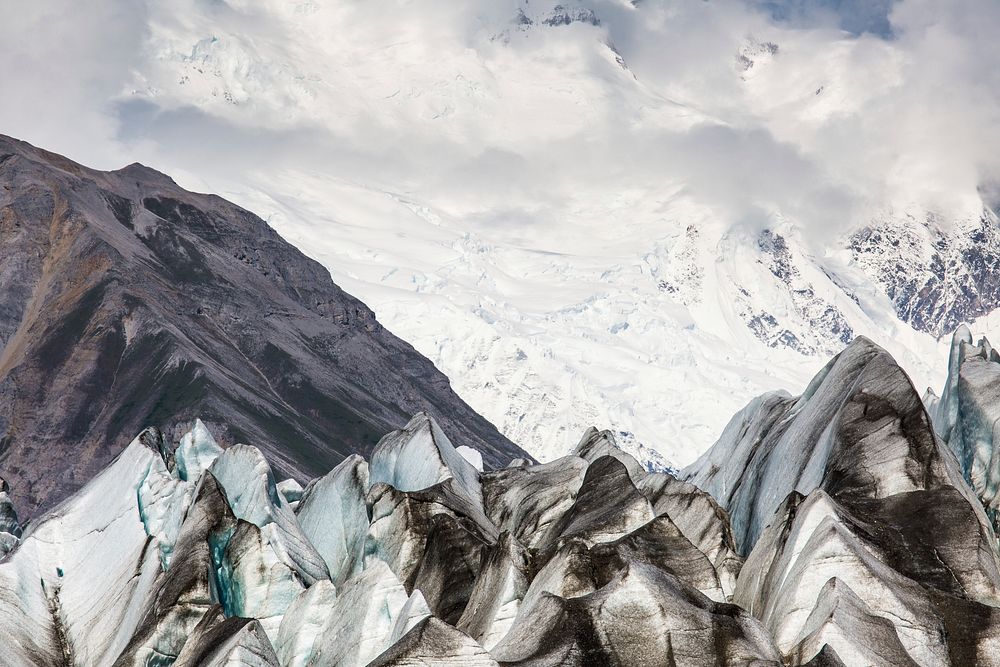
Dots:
pixel 454 103
pixel 62 65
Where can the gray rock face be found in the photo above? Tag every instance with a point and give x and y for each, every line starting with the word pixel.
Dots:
pixel 10 527
pixel 128 301
pixel 828 329
pixel 936 275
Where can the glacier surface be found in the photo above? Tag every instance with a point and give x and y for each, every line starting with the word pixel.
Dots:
pixel 846 526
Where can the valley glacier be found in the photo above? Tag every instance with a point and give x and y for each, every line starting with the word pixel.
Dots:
pixel 578 230
pixel 839 527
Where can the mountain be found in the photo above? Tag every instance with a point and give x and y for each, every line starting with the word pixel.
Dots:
pixel 938 274
pixel 832 528
pixel 571 223
pixel 128 301
pixel 576 207
pixel 605 328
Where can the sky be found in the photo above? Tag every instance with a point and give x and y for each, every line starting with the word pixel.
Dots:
pixel 862 104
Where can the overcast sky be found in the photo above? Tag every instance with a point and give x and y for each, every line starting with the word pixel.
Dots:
pixel 848 105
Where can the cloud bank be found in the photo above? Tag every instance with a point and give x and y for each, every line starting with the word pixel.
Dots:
pixel 818 109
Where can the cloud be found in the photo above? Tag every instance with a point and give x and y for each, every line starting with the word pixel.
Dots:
pixel 63 63
pixel 845 105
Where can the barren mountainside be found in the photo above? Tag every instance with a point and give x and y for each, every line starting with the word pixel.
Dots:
pixel 127 301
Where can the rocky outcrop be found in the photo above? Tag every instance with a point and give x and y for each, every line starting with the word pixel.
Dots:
pixel 826 327
pixel 937 273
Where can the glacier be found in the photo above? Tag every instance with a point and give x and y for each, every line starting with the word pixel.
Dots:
pixel 850 525
pixel 967 415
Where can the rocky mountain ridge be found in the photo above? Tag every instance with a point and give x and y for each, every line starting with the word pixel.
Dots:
pixel 127 300
pixel 937 273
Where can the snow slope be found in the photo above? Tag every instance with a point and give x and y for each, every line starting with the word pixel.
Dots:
pixel 656 333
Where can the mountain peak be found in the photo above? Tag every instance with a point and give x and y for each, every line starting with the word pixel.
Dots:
pixel 141 172
pixel 130 302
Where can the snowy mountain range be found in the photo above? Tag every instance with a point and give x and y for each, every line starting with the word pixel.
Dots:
pixel 465 235
pixel 636 215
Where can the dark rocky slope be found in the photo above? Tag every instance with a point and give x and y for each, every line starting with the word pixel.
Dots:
pixel 937 273
pixel 127 301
